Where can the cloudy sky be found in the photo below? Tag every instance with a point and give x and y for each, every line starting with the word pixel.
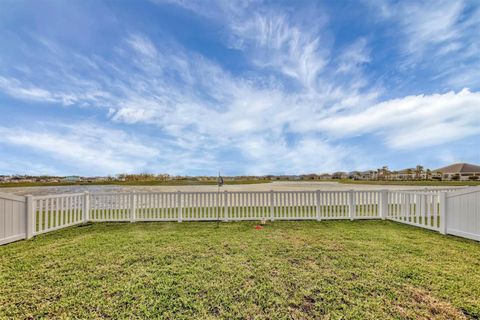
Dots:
pixel 245 87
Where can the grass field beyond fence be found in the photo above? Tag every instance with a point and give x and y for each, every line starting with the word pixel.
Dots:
pixel 329 269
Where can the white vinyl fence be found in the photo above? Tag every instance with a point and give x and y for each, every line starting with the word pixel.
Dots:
pixel 25 217
pixel 421 209
pixel 463 213
pixel 12 218
pixel 235 206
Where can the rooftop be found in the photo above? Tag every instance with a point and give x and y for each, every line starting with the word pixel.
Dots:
pixel 459 168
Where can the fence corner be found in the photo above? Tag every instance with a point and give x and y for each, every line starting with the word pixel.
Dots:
pixel 226 212
pixel 317 205
pixel 272 205
pixel 30 216
pixel 351 205
pixel 443 213
pixel 86 207
pixel 383 210
pixel 133 207
pixel 179 205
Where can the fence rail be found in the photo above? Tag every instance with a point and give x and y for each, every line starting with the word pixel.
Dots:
pixel 25 217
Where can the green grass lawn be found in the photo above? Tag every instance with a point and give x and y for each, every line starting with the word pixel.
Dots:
pixel 296 270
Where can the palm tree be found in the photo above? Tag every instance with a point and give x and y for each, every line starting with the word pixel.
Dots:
pixel 385 172
pixel 418 172
pixel 429 174
pixel 409 172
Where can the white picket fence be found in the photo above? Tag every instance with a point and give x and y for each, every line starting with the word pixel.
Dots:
pixel 422 208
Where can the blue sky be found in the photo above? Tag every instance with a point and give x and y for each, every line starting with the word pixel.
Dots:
pixel 245 87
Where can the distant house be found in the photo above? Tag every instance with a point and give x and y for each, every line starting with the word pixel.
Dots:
pixel 311 176
pixel 368 175
pixel 458 171
pixel 405 174
pixel 355 175
pixel 340 175
pixel 325 176
pixel 71 179
pixel 287 177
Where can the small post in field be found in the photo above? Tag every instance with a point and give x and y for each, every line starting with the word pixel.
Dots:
pixel 133 207
pixel 179 205
pixel 30 215
pixel 351 204
pixel 86 207
pixel 443 213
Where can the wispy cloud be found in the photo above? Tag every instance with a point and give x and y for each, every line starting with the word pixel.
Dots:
pixel 414 122
pixel 87 148
pixel 273 41
pixel 436 36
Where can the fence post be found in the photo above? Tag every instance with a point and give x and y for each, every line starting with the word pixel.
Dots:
pixel 351 205
pixel 86 207
pixel 30 216
pixel 272 209
pixel 225 205
pixel 179 205
pixel 443 213
pixel 383 205
pixel 133 207
pixel 317 195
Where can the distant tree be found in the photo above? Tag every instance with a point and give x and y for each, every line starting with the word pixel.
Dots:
pixel 428 174
pixel 418 172
pixel 394 173
pixel 385 173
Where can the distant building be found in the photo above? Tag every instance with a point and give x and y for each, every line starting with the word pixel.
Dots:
pixel 368 175
pixel 355 175
pixel 325 176
pixel 71 179
pixel 340 175
pixel 405 174
pixel 458 171
pixel 311 176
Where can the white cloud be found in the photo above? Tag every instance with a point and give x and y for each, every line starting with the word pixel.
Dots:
pixel 431 23
pixel 84 147
pixel 14 88
pixel 415 121
pixel 274 41
pixel 143 45
pixel 354 56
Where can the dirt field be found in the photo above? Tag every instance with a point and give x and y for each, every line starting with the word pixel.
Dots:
pixel 276 186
